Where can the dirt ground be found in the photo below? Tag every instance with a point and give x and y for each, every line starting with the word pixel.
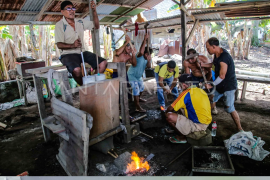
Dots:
pixel 23 147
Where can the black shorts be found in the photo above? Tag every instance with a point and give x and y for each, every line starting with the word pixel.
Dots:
pixel 72 61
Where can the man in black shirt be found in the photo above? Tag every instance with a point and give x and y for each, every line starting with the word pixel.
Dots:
pixel 225 82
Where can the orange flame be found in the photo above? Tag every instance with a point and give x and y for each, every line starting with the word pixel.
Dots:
pixel 137 163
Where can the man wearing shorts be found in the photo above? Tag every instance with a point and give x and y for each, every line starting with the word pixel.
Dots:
pixel 135 72
pixel 225 83
pixel 69 36
pixel 196 110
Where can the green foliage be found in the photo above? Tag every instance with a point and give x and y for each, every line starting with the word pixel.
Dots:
pixel 255 41
pixel 4 30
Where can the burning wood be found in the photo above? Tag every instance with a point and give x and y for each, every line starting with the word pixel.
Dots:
pixel 137 165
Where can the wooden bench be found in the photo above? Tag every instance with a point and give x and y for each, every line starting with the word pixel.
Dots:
pixel 246 79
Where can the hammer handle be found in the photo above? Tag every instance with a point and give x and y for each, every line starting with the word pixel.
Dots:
pixel 205 80
pixel 129 41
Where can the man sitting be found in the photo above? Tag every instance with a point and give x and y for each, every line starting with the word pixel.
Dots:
pixel 168 72
pixel 192 67
pixel 197 110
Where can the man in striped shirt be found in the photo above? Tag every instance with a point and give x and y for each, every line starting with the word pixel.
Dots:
pixel 195 109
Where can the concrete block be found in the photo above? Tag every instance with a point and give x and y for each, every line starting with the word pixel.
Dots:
pixel 122 161
pixel 204 141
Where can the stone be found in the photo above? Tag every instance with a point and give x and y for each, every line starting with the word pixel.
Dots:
pixel 122 161
pixel 101 167
pixel 204 141
pixel 9 91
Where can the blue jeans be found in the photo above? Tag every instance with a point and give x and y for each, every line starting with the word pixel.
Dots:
pixel 228 100
pixel 137 87
pixel 169 81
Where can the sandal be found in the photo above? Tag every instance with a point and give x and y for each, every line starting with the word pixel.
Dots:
pixel 174 140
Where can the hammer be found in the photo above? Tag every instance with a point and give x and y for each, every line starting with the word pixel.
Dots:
pixel 125 32
pixel 196 55
pixel 145 27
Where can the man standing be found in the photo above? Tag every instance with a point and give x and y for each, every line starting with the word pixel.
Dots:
pixel 197 110
pixel 135 73
pixel 124 54
pixel 225 82
pixel 69 35
pixel 168 72
pixel 193 67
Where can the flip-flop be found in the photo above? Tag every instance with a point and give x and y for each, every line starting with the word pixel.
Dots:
pixel 174 140
pixel 169 131
pixel 141 111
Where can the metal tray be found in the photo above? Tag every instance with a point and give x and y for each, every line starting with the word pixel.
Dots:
pixel 211 159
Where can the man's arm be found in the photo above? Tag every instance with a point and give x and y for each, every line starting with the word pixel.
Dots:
pixel 142 48
pixel 174 83
pixel 187 69
pixel 95 16
pixel 209 74
pixel 160 82
pixel 76 44
pixel 122 48
pixel 169 109
pixel 223 70
pixel 133 59
pixel 149 59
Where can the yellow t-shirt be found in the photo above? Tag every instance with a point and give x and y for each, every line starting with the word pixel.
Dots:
pixel 196 105
pixel 164 73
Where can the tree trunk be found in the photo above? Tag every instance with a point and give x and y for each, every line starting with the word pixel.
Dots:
pixel 255 33
pixel 24 47
pixel 34 42
pixel 230 41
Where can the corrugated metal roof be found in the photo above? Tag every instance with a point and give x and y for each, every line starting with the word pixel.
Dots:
pixel 151 3
pixel 36 6
pixel 124 2
pixel 30 5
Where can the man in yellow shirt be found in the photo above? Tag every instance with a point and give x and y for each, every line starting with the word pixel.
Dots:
pixel 197 110
pixel 168 72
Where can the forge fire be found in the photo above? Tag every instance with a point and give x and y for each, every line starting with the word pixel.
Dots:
pixel 137 164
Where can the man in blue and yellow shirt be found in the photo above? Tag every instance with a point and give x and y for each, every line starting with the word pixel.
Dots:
pixel 197 110
pixel 168 72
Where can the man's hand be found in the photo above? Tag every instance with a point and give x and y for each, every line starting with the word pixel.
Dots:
pixel 127 38
pixel 146 36
pixel 167 91
pixel 93 5
pixel 208 86
pixel 77 44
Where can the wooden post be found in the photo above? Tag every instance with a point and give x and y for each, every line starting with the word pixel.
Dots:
pixel 121 69
pixel 183 34
pixel 65 86
pixel 95 32
pixel 33 39
pixel 41 107
pixel 243 95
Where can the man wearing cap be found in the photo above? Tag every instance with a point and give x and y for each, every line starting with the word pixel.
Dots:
pixel 225 83
pixel 168 72
pixel 193 67
pixel 69 36
pixel 196 114
pixel 135 72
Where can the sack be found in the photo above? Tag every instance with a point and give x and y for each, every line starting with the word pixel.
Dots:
pixel 245 144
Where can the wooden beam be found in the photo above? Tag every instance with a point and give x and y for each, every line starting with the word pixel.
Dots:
pixel 87 12
pixel 183 34
pixel 192 31
pixel 240 6
pixel 41 107
pixel 113 15
pixel 186 2
pixel 184 9
pixel 27 23
pixel 94 32
pixel 34 12
pixel 130 10
pixel 127 6
pixel 44 8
